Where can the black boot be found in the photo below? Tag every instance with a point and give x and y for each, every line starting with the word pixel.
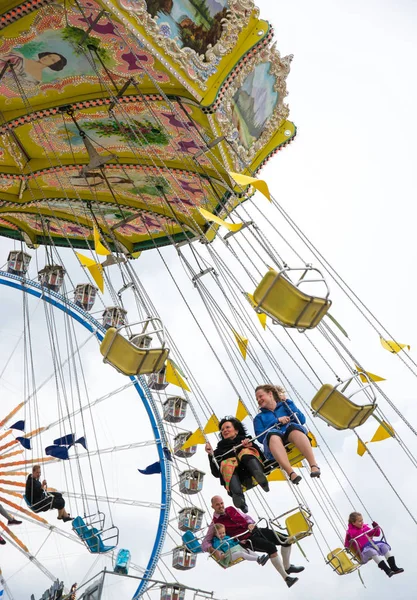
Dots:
pixel 384 567
pixel 291 580
pixel 396 570
pixel 235 490
pixel 254 467
pixel 239 502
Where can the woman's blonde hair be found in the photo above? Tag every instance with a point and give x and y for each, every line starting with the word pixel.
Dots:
pixel 275 389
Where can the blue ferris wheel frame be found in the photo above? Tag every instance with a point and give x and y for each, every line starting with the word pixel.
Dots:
pixel 91 324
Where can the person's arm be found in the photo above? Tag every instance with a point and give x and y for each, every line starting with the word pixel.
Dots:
pixel 207 543
pixel 347 540
pixel 259 428
pixel 376 531
pixel 300 416
pixel 215 471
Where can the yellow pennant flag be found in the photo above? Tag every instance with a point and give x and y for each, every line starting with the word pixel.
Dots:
pixel 241 342
pixel 96 270
pixel 212 425
pixel 241 411
pixel 195 438
pixel 361 448
pixel 312 439
pixel 136 254
pixel 258 184
pixel 371 376
pixel 393 346
pixel 210 217
pixel 298 465
pixel 261 316
pixel 276 475
pixel 383 432
pixel 173 376
pixel 100 249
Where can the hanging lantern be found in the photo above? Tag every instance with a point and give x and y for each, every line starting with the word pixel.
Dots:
pixel 52 277
pixel 18 262
pixel 179 440
pixel 174 409
pixel 114 316
pixel 85 295
pixel 182 559
pixel 190 518
pixel 191 482
pixel 157 381
pixel 141 341
pixel 172 591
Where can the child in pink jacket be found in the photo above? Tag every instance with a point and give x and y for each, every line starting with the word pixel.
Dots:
pixel 359 541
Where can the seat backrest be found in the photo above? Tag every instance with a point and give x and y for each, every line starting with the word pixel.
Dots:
pixel 286 303
pixel 297 525
pixel 341 561
pixel 89 535
pixel 128 358
pixel 191 542
pixel 337 410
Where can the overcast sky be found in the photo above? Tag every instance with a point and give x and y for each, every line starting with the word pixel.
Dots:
pixel 349 181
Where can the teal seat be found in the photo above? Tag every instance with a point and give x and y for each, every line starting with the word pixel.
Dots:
pixel 90 536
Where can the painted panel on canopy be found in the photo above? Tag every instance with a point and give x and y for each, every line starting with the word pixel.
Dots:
pixel 200 39
pixel 184 191
pixel 57 227
pixel 253 111
pixel 136 132
pixel 49 65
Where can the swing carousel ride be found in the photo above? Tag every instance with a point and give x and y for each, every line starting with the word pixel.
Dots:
pixel 142 125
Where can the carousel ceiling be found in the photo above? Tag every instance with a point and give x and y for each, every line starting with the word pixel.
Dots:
pixel 128 115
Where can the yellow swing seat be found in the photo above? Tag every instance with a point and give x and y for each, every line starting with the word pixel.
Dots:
pixel 342 561
pixel 298 524
pixel 338 410
pixel 128 358
pixel 286 304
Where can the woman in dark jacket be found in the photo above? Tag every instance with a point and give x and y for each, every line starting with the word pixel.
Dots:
pixel 236 461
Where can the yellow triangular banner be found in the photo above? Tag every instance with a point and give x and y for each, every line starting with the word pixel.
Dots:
pixel 100 249
pixel 276 475
pixel 298 465
pixel 173 376
pixel 393 346
pixel 95 268
pixel 96 272
pixel 136 254
pixel 383 432
pixel 241 411
pixel 242 343
pixel 361 448
pixel 371 376
pixel 212 425
pixel 195 438
pixel 258 184
pixel 261 316
pixel 313 440
pixel 210 217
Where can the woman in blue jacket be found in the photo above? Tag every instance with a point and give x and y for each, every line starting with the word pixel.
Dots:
pixel 278 423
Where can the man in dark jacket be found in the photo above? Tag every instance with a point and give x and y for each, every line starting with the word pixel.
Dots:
pixel 40 500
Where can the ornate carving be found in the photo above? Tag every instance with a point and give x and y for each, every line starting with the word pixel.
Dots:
pixel 198 67
pixel 279 69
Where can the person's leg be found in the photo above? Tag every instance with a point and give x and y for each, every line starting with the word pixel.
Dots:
pixel 58 502
pixel 392 564
pixel 278 451
pixel 235 489
pixel 254 467
pixel 10 519
pixel 301 441
pixel 238 552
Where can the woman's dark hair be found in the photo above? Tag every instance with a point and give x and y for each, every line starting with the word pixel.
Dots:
pixel 238 425
pixel 59 65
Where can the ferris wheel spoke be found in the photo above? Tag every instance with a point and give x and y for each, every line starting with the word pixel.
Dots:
pixel 107 499
pixel 114 449
pixel 32 559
